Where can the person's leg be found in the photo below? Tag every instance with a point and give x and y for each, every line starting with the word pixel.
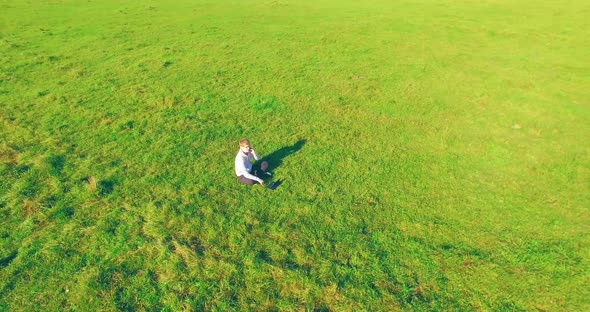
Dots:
pixel 245 180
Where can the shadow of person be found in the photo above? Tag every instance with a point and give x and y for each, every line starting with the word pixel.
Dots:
pixel 273 185
pixel 275 159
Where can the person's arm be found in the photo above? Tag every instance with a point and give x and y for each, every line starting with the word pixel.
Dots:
pixel 254 154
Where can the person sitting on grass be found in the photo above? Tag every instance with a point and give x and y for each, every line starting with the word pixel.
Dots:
pixel 244 165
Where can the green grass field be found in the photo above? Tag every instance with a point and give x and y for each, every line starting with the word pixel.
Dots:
pixel 434 155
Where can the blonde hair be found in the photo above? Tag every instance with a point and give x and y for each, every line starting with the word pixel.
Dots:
pixel 244 142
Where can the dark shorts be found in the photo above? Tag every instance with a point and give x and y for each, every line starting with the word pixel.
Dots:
pixel 256 171
pixel 242 179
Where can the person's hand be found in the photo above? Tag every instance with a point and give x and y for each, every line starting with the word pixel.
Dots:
pixel 261 182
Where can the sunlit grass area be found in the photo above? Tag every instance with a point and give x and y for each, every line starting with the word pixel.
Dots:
pixel 433 155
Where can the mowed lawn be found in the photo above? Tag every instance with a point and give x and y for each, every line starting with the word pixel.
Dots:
pixel 434 155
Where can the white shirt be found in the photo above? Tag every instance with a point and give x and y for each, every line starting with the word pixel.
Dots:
pixel 244 166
